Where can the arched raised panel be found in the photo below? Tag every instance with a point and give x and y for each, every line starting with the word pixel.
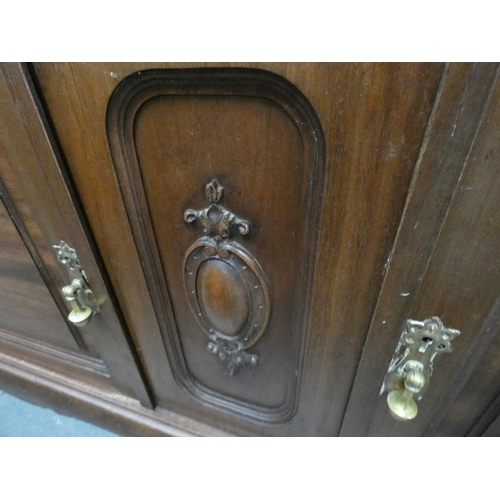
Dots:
pixel 171 134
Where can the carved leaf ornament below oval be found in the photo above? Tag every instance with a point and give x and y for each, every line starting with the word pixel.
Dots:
pixel 226 287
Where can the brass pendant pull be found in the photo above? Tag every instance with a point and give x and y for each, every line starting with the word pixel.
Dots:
pixel 411 366
pixel 80 315
pixel 401 402
pixel 78 293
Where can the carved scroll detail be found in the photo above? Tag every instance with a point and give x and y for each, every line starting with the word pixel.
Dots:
pixel 226 287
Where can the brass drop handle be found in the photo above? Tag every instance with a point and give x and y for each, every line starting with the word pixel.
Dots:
pixel 81 314
pixel 78 293
pixel 401 402
pixel 411 366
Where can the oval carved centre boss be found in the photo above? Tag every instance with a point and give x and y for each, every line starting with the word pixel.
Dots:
pixel 223 296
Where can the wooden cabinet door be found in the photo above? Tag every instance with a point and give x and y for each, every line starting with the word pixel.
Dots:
pixel 445 263
pixel 38 198
pixel 265 233
pixel 297 173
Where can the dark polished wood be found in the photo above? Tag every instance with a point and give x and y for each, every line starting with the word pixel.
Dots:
pixel 361 196
pixel 170 132
pixel 443 260
pixel 74 386
pixel 370 194
pixel 32 171
pixel 26 306
pixel 373 116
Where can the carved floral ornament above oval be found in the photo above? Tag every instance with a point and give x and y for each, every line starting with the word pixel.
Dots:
pixel 215 218
pixel 226 287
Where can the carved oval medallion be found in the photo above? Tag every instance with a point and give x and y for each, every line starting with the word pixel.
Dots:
pixel 223 296
pixel 228 294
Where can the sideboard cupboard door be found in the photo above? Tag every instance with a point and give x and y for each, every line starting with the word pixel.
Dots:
pixel 445 263
pixel 40 201
pixel 275 185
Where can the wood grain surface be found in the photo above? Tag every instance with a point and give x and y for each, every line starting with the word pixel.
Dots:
pixel 442 263
pixel 48 213
pixel 243 128
pixel 374 117
pixel 26 306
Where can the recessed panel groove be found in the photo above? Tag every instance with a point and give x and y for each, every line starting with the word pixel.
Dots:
pixel 171 132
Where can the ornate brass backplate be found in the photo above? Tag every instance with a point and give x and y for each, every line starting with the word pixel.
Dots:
pixel 411 367
pixel 226 287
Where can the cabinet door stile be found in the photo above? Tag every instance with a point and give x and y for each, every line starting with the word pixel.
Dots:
pixel 423 272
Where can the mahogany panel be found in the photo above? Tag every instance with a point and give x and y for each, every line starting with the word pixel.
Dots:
pixel 373 116
pixel 171 132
